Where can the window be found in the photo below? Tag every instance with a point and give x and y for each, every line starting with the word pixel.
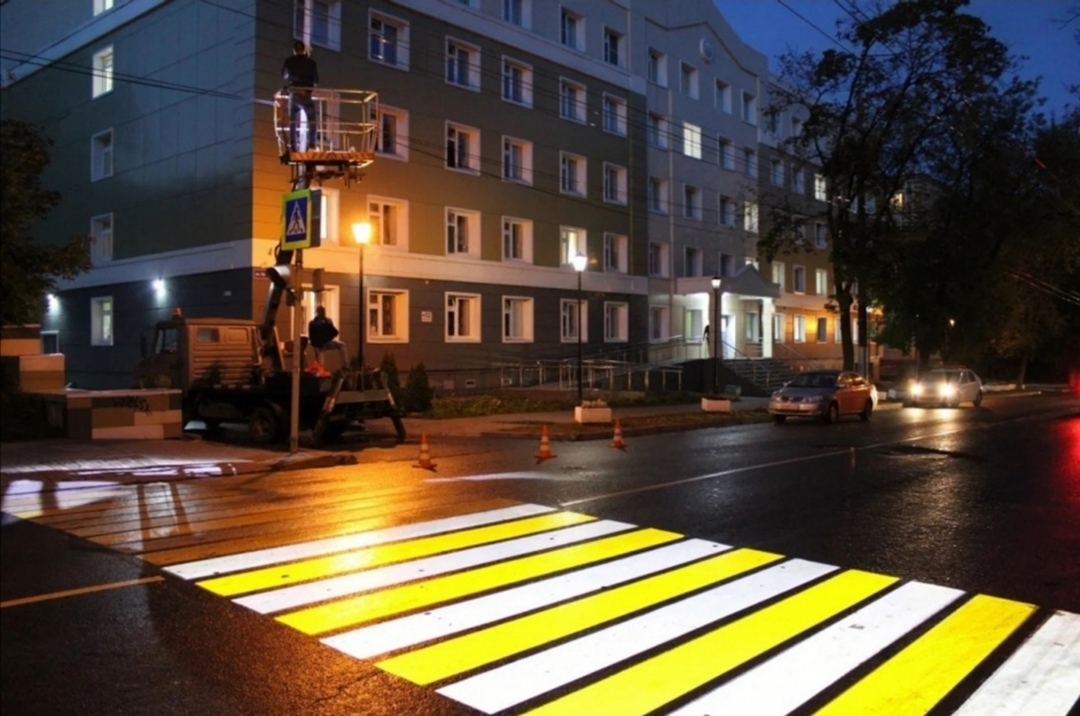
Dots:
pixel 329 204
pixel 727 211
pixel 820 239
pixel 616 253
pixel 462 317
pixel 462 232
pixel 778 274
pixel 658 259
pixel 101 155
pixel 750 163
pixel 571 100
pixel 692 140
pixel 573 320
pixel 517 160
pixel 393 139
pixel 462 64
pixel 657 131
pixel 517 83
pixel 688 80
pixel 517 239
pixel 799 232
pixel 727 154
pixel 751 324
pixel 693 261
pixel 772 122
pixel 749 108
pixel 615 183
pixel 571 174
pixel 657 67
pixel 658 195
pixel 388 41
pixel 387 316
pixel 613 47
pixel 50 342
pixel 614 115
pixel 796 126
pixel 658 323
pixel 101 321
pixel 101 6
pixel 571 243
pixel 572 30
pixel 516 12
pixel 727 264
pixel 822 330
pixel 388 219
pixel 776 172
pixel 616 322
pixel 723 96
pixel 778 328
pixel 319 22
pixel 691 202
pixel 517 317
pixel 798 279
pixel 462 148
pixel 798 180
pixel 820 190
pixel 101 237
pixel 798 329
pixel 103 72
pixel 750 217
pixel 821 282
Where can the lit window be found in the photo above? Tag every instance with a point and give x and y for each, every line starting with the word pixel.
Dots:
pixel 616 322
pixel 778 327
pixel 392 141
pixel 462 148
pixel 462 64
pixel 329 203
pixel 101 237
pixel 103 72
pixel 517 319
pixel 723 96
pixel 750 217
pixel 615 178
pixel 614 115
pixel 572 30
pixel 387 316
pixel 571 174
pixel 388 41
pixel 101 321
pixel 571 243
pixel 616 249
pixel 574 320
pixel 778 274
pixel 517 160
pixel 462 233
pixel 820 190
pixel 657 67
pixel 462 317
pixel 691 140
pixel 613 47
pixel 388 219
pixel 101 155
pixel 821 282
pixel 517 239
pixel 799 329
pixel 571 101
pixel 517 83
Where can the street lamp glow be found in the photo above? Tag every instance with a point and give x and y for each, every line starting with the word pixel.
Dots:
pixel 578 263
pixel 361 232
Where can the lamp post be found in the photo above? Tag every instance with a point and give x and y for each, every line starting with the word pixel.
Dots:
pixel 716 333
pixel 362 233
pixel 579 262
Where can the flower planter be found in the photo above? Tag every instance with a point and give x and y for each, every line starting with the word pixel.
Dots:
pixel 592 415
pixel 716 405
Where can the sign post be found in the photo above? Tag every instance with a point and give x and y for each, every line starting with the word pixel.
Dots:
pixel 302 230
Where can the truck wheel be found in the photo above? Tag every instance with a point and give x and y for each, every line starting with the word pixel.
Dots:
pixel 263 425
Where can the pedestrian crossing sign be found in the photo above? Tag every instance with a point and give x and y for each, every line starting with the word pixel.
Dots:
pixel 302 216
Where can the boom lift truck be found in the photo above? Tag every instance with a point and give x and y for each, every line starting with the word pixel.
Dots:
pixel 234 370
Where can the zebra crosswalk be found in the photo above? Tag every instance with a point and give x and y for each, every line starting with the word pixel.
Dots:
pixel 528 609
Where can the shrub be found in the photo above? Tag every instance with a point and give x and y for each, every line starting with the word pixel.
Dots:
pixel 418 392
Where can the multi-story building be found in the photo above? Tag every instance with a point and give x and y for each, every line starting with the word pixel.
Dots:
pixel 511 137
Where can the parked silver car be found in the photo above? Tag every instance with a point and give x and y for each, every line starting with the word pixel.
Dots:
pixel 825 394
pixel 946 386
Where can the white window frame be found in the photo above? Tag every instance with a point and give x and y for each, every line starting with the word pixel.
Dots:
pixel 616 253
pixel 462 64
pixel 659 258
pixel 573 317
pixel 798 329
pixel 749 108
pixel 614 47
pixel 394 53
pixel 778 277
pixel 517 319
pixel 689 80
pixel 726 149
pixel 329 213
pixel 462 318
pixel 691 202
pixel 657 67
pixel 778 328
pixel 517 77
pixel 798 279
pixel 517 12
pixel 469 160
pixel 722 100
pixel 616 322
pixel 103 64
pixel 657 195
pixel 377 299
pixel 821 282
pixel 571 30
pixel 517 239
pixel 392 234
pixel 750 217
pixel 573 240
pixel 101 235
pixel 101 6
pixel 573 170
pixel 691 140
pixel 572 100
pixel 659 323
pixel 101 155
pixel 517 160
pixel 393 121
pixel 615 184
pixel 821 189
pixel 319 29
pixel 101 321
pixel 614 114
pixel 457 221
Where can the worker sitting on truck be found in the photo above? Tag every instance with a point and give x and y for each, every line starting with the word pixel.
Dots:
pixel 323 336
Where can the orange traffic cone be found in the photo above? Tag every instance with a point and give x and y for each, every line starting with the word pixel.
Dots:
pixel 617 442
pixel 425 455
pixel 545 446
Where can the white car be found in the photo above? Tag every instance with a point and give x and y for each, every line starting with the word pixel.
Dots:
pixel 946 386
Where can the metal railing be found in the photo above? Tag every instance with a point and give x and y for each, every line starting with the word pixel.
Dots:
pixel 343 128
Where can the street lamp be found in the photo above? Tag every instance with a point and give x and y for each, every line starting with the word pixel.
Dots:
pixel 715 281
pixel 579 262
pixel 362 233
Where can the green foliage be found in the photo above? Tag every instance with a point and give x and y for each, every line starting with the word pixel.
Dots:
pixel 388 366
pixel 28 270
pixel 418 392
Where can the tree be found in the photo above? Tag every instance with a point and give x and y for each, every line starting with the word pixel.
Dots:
pixel 29 270
pixel 875 112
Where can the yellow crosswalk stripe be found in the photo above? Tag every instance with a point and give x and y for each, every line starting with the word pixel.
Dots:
pixel 352 561
pixel 461 654
pixel 913 681
pixel 367 607
pixel 648 685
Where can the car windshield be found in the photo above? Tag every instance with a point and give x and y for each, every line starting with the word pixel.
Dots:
pixel 814 380
pixel 935 377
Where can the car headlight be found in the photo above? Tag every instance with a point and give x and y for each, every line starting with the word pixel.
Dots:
pixel 948 390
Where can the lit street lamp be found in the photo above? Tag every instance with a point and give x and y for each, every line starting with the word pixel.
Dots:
pixel 579 262
pixel 715 333
pixel 362 233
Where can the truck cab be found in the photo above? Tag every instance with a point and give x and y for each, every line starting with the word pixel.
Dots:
pixel 190 353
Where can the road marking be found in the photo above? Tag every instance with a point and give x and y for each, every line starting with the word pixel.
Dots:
pixel 78 592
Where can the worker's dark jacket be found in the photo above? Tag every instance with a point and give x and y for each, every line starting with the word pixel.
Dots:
pixel 300 71
pixel 321 331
